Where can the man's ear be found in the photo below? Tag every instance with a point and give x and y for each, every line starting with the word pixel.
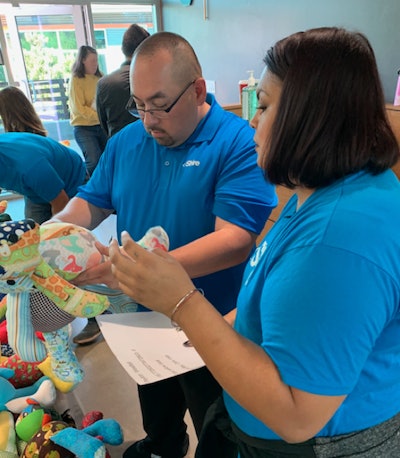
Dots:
pixel 201 90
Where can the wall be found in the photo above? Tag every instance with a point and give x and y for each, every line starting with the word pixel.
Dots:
pixel 238 32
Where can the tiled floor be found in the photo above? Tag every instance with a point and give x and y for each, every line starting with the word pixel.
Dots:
pixel 106 386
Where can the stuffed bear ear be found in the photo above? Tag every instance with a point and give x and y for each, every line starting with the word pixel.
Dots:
pixel 155 237
pixel 68 250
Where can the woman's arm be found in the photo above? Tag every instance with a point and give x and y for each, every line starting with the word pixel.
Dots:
pixel 59 202
pixel 244 369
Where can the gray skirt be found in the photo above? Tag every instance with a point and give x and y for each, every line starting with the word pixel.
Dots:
pixel 221 438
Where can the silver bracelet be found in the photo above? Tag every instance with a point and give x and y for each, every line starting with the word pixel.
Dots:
pixel 179 304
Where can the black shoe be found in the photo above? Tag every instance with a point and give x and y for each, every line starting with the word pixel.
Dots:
pixel 88 334
pixel 140 449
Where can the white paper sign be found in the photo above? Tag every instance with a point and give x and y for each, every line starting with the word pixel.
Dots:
pixel 147 346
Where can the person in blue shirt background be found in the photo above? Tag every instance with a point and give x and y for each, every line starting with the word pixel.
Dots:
pixel 41 169
pixel 312 365
pixel 191 167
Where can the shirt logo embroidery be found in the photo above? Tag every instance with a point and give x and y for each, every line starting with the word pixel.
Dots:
pixel 258 254
pixel 191 163
pixel 255 259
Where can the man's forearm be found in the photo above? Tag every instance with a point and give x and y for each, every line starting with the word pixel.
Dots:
pixel 80 212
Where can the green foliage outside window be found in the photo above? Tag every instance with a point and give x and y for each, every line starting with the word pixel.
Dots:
pixel 68 40
pixel 44 59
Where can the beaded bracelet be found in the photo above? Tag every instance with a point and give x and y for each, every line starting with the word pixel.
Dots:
pixel 181 301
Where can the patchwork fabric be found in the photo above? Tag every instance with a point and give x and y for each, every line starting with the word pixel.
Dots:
pixel 68 249
pixel 19 253
pixel 119 302
pixel 155 237
pixel 63 361
pixel 45 315
pixel 21 335
pixel 36 266
pixel 33 261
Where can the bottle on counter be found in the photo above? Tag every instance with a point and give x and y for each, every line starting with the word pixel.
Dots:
pixel 397 93
pixel 249 97
pixel 242 85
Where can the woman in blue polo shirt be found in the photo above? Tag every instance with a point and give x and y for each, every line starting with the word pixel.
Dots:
pixel 44 171
pixel 312 366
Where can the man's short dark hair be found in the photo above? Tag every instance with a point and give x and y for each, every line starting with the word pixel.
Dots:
pixel 132 39
pixel 331 120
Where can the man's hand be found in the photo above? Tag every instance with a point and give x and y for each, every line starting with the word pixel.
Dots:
pixel 100 274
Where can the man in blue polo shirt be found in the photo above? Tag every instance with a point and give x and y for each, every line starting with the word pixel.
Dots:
pixel 190 167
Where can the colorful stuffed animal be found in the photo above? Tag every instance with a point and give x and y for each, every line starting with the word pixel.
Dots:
pixel 36 264
pixel 45 435
pixel 13 401
pixel 39 299
pixel 25 373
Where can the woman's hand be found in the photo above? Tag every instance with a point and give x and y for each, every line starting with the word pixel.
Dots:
pixel 152 278
pixel 99 274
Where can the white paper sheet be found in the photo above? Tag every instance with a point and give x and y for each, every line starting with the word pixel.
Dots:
pixel 147 346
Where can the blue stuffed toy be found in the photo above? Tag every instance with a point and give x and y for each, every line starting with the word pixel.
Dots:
pixel 14 400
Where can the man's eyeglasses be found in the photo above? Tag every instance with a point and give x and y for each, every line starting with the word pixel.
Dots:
pixel 156 112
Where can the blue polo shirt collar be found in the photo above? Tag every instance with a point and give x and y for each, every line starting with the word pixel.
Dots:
pixel 205 130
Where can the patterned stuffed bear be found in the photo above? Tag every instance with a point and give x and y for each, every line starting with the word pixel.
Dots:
pixel 36 264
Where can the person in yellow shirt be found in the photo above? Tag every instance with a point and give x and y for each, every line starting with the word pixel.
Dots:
pixel 82 104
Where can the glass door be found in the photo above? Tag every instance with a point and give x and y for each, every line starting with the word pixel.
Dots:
pixel 39 44
pixel 109 24
pixel 42 41
pixel 4 62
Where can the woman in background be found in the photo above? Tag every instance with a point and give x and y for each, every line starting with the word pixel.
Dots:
pixel 45 172
pixel 18 114
pixel 312 365
pixel 82 105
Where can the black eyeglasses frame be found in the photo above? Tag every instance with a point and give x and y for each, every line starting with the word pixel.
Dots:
pixel 157 112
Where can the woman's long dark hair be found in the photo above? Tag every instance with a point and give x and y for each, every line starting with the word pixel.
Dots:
pixel 18 114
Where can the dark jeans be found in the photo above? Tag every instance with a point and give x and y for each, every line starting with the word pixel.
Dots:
pixel 91 140
pixel 164 405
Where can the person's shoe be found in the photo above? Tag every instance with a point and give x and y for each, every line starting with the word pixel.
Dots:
pixel 140 449
pixel 88 334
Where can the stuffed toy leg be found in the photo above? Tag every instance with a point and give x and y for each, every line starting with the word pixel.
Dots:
pixel 22 337
pixel 52 323
pixel 64 363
